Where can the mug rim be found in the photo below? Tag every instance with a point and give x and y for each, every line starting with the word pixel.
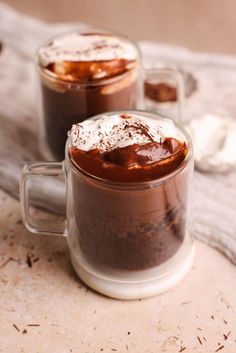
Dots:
pixel 105 81
pixel 188 158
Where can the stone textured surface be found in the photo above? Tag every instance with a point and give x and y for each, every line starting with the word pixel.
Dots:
pixel 46 308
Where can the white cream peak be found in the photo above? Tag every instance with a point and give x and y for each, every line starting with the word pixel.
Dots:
pixel 214 142
pixel 86 47
pixel 109 132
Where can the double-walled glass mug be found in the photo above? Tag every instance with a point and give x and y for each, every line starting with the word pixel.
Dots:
pixel 126 239
pixel 89 72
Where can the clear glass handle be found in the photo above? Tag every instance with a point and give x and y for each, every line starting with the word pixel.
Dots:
pixel 33 173
pixel 172 84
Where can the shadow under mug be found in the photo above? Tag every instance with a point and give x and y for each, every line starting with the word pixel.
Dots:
pixel 126 240
pixel 62 103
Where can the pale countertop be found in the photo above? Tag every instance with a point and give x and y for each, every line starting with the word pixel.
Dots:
pixel 45 308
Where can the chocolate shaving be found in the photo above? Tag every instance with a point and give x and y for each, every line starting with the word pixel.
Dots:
pixel 36 259
pixel 175 337
pixel 199 340
pixel 219 349
pixel 184 303
pixel 17 328
pixel 33 325
pixel 182 349
pixel 24 332
pixel 140 129
pixel 226 335
pixel 29 261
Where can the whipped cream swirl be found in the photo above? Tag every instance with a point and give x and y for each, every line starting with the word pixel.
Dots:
pixel 76 47
pixel 109 132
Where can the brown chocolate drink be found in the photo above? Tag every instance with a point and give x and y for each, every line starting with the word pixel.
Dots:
pixel 129 187
pixel 162 92
pixel 83 74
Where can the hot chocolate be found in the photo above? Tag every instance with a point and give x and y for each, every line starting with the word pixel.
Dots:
pixel 160 92
pixel 130 209
pixel 83 74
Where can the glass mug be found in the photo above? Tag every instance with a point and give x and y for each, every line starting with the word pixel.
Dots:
pixel 126 240
pixel 62 103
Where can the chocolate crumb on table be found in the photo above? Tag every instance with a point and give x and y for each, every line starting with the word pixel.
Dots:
pixel 184 303
pixel 16 327
pixel 29 261
pixel 226 336
pixel 199 340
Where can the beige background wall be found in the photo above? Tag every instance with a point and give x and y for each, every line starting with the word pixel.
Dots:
pixel 207 25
